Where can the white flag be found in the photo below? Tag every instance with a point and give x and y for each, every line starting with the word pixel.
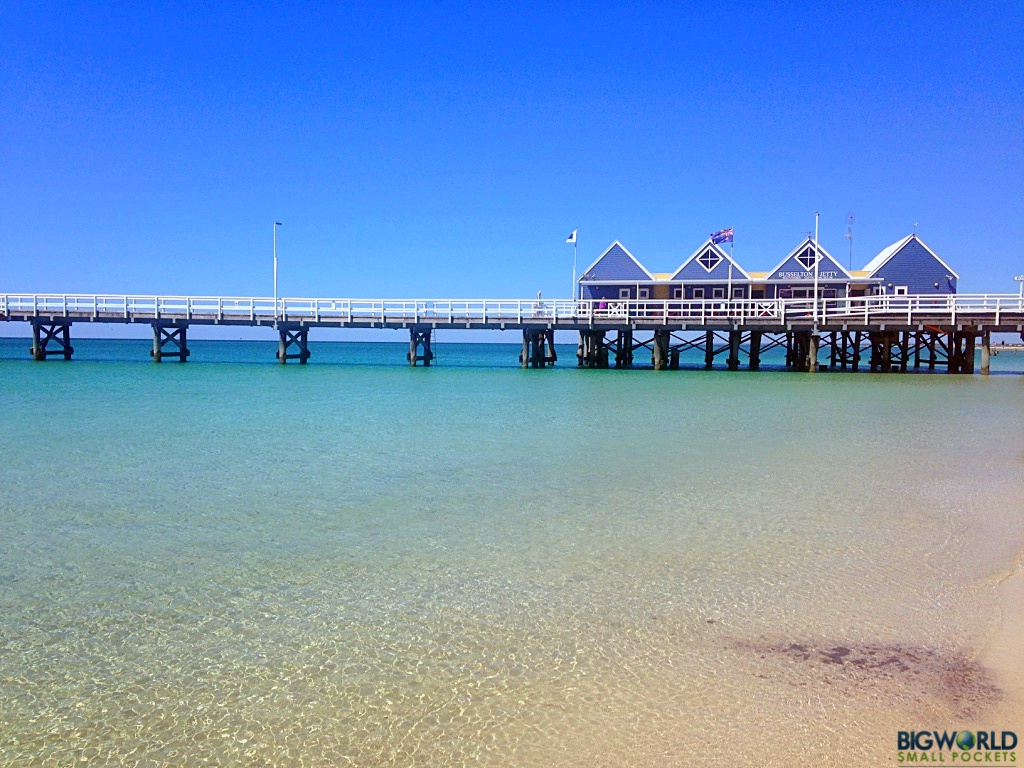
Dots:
pixel 572 238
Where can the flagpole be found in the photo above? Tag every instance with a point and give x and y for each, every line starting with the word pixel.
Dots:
pixel 573 238
pixel 816 269
pixel 574 289
pixel 732 247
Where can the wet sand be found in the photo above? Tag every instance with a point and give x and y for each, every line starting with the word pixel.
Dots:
pixel 1004 651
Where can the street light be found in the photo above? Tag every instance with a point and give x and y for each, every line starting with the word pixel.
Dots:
pixel 276 225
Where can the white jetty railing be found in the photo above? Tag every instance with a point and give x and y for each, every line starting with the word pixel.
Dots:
pixel 993 308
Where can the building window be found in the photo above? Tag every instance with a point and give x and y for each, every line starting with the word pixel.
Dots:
pixel 900 290
pixel 718 293
pixel 807 259
pixel 828 293
pixel 698 293
pixel 709 260
pixel 623 293
pixel 677 293
pixel 737 293
pixel 644 293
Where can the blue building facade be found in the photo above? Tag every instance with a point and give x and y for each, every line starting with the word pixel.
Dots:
pixel 616 275
pixel 908 266
pixel 709 273
pixel 794 277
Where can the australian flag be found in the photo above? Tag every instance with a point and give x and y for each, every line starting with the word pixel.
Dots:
pixel 722 236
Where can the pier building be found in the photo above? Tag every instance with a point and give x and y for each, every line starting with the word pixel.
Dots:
pixel 794 277
pixel 906 267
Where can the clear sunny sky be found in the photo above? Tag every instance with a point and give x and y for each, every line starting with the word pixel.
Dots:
pixel 435 150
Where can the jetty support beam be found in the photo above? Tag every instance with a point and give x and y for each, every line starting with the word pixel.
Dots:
pixel 659 350
pixel 592 351
pixel 961 352
pixel 854 349
pixel 813 340
pixel 971 341
pixel 623 349
pixel 986 353
pixel 419 346
pixel 293 338
pixel 45 333
pixel 890 351
pixel 170 340
pixel 733 361
pixel 880 350
pixel 755 350
pixel 799 350
pixel 538 348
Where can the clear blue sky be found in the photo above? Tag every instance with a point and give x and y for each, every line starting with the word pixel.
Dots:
pixel 448 150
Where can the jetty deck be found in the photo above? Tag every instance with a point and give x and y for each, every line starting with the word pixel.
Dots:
pixel 890 330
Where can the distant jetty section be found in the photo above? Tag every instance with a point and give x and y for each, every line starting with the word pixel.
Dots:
pixel 888 333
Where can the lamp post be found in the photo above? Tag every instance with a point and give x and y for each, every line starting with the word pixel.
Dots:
pixel 276 225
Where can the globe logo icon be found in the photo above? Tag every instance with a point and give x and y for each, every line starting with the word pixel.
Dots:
pixel 965 739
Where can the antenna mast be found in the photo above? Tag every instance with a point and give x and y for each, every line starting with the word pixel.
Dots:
pixel 849 235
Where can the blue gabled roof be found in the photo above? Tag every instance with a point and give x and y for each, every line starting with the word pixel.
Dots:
pixel 692 269
pixel 794 270
pixel 886 255
pixel 616 263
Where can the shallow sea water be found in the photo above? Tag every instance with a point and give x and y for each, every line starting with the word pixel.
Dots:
pixel 232 562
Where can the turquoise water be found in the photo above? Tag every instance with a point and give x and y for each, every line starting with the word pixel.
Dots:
pixel 234 562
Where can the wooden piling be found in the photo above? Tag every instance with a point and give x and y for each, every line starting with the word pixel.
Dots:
pixel 419 346
pixel 171 341
pixel 970 346
pixel 659 350
pixel 288 337
pixel 986 353
pixel 592 351
pixel 38 351
pixel 44 333
pixel 623 349
pixel 755 350
pixel 733 362
pixel 538 348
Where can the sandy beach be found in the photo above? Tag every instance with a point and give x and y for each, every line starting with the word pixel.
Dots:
pixel 1004 651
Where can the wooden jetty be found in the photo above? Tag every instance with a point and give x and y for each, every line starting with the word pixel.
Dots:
pixel 882 333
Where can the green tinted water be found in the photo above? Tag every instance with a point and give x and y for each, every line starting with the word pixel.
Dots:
pixel 249 564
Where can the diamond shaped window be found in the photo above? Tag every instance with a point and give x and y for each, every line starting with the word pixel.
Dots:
pixel 807 259
pixel 709 260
